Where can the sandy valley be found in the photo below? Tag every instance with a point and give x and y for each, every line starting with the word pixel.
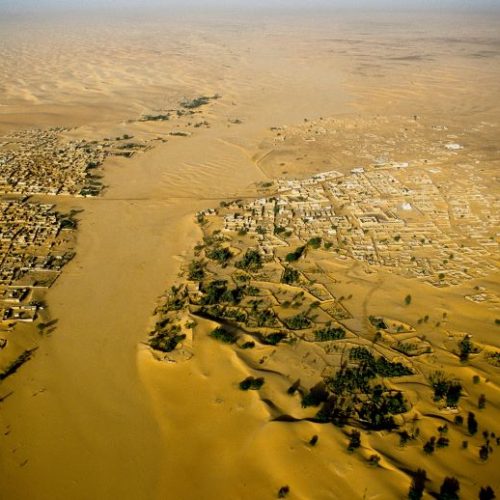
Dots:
pixel 190 120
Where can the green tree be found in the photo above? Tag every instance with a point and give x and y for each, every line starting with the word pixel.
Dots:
pixel 449 489
pixel 354 441
pixel 472 425
pixel 417 485
pixel 486 493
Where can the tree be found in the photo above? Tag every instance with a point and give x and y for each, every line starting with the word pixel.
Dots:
pixel 486 493
pixel 408 300
pixel 314 440
pixel 283 491
pixel 481 402
pixel 417 485
pixel 484 452
pixel 430 446
pixel 449 489
pixel 355 440
pixel 472 425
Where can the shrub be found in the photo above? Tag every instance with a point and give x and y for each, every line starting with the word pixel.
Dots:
pixel 486 493
pixel 223 335
pixel 430 446
pixel 196 270
pixel 484 452
pixel 251 261
pixel 298 322
pixel 290 276
pixel 248 345
pixel 220 254
pixel 354 441
pixel 251 383
pixel 314 440
pixel 472 425
pixel 315 242
pixel 283 491
pixel 296 254
pixel 449 489
pixel 274 338
pixel 329 333
pixel 417 485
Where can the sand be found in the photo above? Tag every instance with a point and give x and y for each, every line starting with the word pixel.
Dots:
pixel 93 415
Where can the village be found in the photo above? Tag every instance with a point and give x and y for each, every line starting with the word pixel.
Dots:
pixel 35 244
pixel 402 216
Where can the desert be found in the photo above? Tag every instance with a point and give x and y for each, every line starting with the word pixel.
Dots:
pixel 249 254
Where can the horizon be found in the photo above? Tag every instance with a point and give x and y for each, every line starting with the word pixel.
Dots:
pixel 44 6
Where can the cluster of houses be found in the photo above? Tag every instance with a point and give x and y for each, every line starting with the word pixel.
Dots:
pixel 409 218
pixel 38 162
pixel 33 249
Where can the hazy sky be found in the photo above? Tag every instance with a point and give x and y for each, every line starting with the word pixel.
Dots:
pixel 37 5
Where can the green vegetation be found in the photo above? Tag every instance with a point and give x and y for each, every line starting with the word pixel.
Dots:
pixel 220 254
pixel 354 396
pixel 197 102
pixel 283 492
pixel 314 440
pixel 295 255
pixel 298 322
pixel 417 486
pixel 408 300
pixel 472 425
pixel 354 441
pixel 481 402
pixel 445 388
pixel 466 348
pixel 224 336
pixel 251 261
pixel 377 322
pixel 155 118
pixel 290 276
pixel 274 338
pixel 196 270
pixel 167 340
pixel 486 493
pixel 329 333
pixel 378 366
pixel 315 242
pixel 430 446
pixel 251 384
pixel 248 345
pixel 449 489
pixel 317 395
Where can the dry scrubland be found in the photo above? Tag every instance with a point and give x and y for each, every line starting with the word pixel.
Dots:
pixel 378 314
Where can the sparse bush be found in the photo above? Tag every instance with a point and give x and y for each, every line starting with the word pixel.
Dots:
pixel 449 489
pixel 223 335
pixel 329 333
pixel 481 402
pixel 486 493
pixel 248 345
pixel 251 383
pixel 417 486
pixel 354 441
pixel 290 276
pixel 251 261
pixel 283 492
pixel 484 452
pixel 196 270
pixel 472 424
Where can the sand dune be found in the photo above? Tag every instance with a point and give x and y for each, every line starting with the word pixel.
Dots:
pixel 94 415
